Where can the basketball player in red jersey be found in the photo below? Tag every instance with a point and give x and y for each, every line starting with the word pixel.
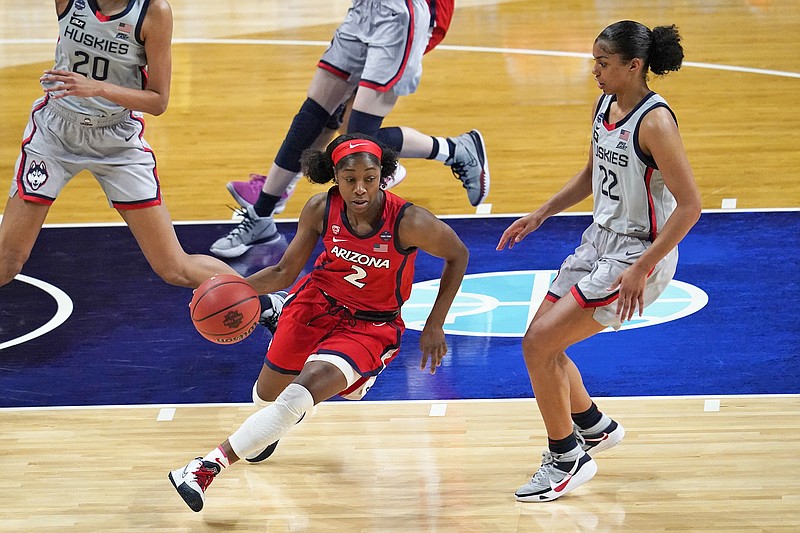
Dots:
pixel 341 323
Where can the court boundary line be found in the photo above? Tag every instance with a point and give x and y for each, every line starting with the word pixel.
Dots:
pixel 385 402
pixel 444 217
pixel 455 48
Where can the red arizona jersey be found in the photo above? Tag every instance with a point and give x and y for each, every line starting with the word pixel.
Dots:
pixel 441 15
pixel 369 273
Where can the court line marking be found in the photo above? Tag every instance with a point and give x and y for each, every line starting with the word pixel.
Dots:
pixel 711 405
pixel 438 409
pixel 64 307
pixel 446 217
pixel 455 48
pixel 398 402
pixel 166 414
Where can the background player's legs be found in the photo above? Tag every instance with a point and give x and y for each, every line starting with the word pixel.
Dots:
pixel 19 229
pixel 153 230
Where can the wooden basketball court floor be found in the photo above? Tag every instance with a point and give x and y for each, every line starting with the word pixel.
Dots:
pixel 519 72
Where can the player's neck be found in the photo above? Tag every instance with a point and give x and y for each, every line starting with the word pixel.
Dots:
pixel 110 8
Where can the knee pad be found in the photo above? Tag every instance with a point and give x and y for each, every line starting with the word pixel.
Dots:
pixel 391 137
pixel 365 123
pixel 257 399
pixel 305 128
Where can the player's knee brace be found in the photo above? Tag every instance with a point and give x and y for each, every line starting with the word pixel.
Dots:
pixel 391 137
pixel 257 399
pixel 364 123
pixel 269 424
pixel 305 128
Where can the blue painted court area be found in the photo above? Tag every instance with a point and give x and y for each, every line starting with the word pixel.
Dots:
pixel 129 340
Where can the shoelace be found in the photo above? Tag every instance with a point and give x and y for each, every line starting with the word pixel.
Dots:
pixel 548 464
pixel 245 225
pixel 204 476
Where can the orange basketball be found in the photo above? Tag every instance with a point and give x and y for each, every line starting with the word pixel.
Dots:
pixel 225 309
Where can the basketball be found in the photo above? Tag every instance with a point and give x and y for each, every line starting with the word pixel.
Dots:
pixel 225 309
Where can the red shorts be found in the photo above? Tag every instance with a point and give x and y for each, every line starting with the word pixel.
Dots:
pixel 309 324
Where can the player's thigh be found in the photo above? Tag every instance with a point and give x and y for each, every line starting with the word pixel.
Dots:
pixel 153 230
pixel 561 325
pixel 21 223
pixel 328 90
pixel 374 102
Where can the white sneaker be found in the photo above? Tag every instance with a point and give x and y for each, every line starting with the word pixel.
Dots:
pixel 557 477
pixel 599 442
pixel 398 176
pixel 252 230
pixel 271 307
pixel 192 480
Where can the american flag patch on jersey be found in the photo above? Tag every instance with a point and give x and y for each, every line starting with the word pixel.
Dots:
pixel 624 134
pixel 125 27
pixel 380 248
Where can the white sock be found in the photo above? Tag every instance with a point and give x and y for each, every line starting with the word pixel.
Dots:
pixel 269 424
pixel 217 455
pixel 600 426
pixel 444 150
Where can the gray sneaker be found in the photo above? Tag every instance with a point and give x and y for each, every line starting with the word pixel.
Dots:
pixel 470 164
pixel 252 230
pixel 557 477
pixel 599 442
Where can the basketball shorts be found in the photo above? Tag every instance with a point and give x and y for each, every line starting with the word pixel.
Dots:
pixel 598 262
pixel 380 45
pixel 310 329
pixel 58 143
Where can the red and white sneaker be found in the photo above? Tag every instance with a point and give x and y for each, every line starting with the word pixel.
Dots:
pixel 594 443
pixel 557 477
pixel 192 480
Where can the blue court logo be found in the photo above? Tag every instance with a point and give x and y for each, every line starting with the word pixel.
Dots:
pixel 502 304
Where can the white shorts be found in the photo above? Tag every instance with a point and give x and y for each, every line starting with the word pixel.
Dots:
pixel 59 143
pixel 596 264
pixel 380 45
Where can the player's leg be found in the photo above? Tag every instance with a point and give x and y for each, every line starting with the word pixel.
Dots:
pixel 21 223
pixel 153 230
pixel 325 94
pixel 565 465
pixel 318 381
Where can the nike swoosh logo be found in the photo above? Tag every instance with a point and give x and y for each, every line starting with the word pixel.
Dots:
pixel 563 485
pixel 603 437
pixel 629 253
pixel 339 240
pixel 356 145
pixel 129 138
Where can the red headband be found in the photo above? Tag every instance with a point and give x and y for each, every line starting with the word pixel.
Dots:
pixel 355 146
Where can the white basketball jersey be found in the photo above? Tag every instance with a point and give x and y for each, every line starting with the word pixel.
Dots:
pixel 630 197
pixel 103 48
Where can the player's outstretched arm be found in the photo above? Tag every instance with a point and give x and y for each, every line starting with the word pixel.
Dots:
pixel 421 229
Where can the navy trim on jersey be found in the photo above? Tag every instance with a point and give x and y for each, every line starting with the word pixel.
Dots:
pixel 137 32
pixel 585 302
pixel 66 10
pixel 646 159
pixel 612 126
pixel 396 229
pixel 280 370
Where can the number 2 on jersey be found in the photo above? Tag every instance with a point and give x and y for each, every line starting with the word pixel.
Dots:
pixel 354 278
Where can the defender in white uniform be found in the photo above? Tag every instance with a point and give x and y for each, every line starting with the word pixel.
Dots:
pixel 113 63
pixel 645 202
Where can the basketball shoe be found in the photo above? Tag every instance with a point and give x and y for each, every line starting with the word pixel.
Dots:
pixel 557 477
pixel 192 480
pixel 252 230
pixel 594 443
pixel 271 306
pixel 398 176
pixel 246 192
pixel 470 164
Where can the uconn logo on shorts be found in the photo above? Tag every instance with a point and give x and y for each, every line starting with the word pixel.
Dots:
pixel 36 175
